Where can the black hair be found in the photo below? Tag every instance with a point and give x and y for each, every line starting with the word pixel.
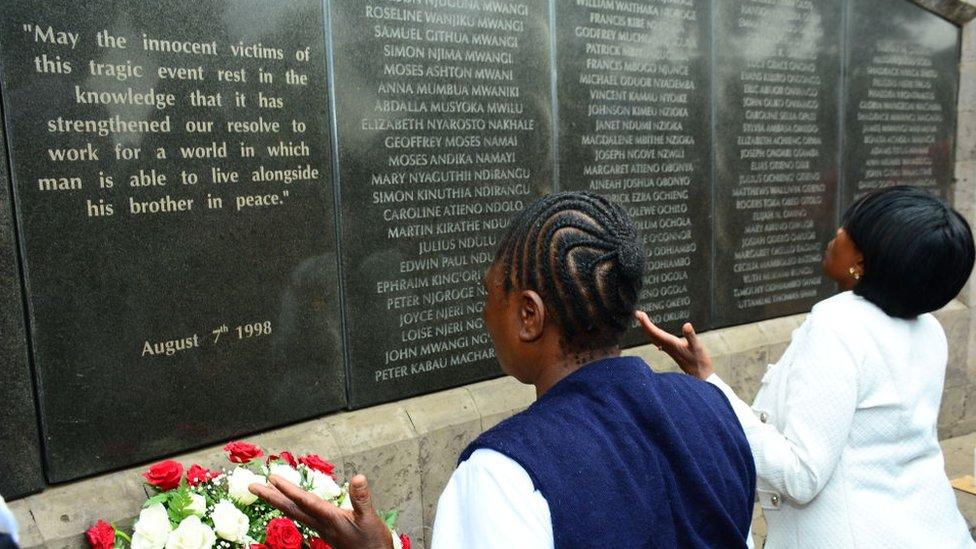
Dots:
pixel 918 252
pixel 581 253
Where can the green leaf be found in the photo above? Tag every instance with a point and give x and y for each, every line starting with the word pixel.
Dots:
pixel 161 497
pixel 390 517
pixel 121 534
pixel 179 503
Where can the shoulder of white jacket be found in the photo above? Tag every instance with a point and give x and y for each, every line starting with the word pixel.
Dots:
pixel 847 313
pixel 841 305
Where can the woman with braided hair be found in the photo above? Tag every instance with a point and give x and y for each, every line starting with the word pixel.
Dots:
pixel 611 454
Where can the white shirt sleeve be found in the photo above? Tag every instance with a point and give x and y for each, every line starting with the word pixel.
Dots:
pixel 490 502
pixel 822 394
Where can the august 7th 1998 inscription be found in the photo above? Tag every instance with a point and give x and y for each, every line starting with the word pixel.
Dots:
pixel 634 126
pixel 444 133
pixel 777 72
pixel 173 188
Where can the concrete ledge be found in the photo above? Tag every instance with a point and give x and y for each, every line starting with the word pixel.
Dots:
pixel 408 448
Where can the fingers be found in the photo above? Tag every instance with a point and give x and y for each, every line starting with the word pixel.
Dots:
pixel 658 336
pixel 689 332
pixel 362 503
pixel 273 497
pixel 305 501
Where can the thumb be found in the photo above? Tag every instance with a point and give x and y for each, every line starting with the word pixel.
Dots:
pixel 689 332
pixel 362 503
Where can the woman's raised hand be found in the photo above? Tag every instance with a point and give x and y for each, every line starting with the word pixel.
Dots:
pixel 360 528
pixel 687 351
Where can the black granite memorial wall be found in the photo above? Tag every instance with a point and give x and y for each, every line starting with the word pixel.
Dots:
pixel 777 80
pixel 634 125
pixel 444 120
pixel 238 214
pixel 902 81
pixel 172 178
pixel 20 455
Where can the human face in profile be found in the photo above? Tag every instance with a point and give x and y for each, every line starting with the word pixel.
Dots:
pixel 497 317
pixel 504 322
pixel 840 257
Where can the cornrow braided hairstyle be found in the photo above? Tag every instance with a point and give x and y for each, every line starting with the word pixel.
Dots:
pixel 582 254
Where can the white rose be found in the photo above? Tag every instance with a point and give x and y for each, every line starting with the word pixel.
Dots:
pixel 323 486
pixel 229 522
pixel 191 534
pixel 152 529
pixel 237 484
pixel 397 544
pixel 198 504
pixel 286 472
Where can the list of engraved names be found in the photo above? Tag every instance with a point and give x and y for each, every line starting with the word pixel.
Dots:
pixel 634 127
pixel 454 125
pixel 778 162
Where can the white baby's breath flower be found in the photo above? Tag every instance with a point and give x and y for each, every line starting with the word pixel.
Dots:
pixel 237 483
pixel 191 534
pixel 286 472
pixel 229 522
pixel 152 529
pixel 323 486
pixel 198 504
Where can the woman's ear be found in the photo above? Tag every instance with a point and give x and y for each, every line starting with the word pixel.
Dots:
pixel 858 259
pixel 532 316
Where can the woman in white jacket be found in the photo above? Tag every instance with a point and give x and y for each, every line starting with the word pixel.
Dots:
pixel 843 429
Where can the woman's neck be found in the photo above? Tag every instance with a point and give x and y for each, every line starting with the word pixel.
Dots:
pixel 565 364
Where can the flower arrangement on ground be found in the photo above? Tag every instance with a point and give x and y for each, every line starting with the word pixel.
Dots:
pixel 198 508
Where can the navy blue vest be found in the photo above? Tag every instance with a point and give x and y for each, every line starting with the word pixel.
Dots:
pixel 629 458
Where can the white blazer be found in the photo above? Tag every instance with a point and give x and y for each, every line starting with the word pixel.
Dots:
pixel 843 432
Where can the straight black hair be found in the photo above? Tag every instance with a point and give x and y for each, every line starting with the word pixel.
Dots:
pixel 918 252
pixel 581 253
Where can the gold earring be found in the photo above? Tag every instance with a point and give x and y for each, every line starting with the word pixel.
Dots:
pixel 854 274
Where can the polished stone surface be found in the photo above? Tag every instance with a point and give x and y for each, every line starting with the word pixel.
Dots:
pixel 188 323
pixel 634 125
pixel 20 454
pixel 902 81
pixel 776 152
pixel 444 132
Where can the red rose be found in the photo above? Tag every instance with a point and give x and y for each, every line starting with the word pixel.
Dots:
pixel 198 475
pixel 283 534
pixel 258 546
pixel 316 463
pixel 284 456
pixel 164 475
pixel 101 536
pixel 242 452
pixel 318 543
pixel 405 541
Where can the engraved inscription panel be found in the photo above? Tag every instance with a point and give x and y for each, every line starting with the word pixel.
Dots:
pixel 633 87
pixel 901 98
pixel 443 113
pixel 777 69
pixel 172 179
